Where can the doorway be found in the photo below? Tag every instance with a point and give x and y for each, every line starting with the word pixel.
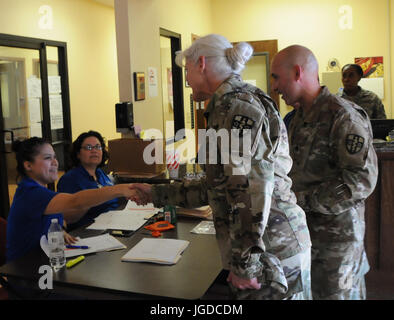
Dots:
pixel 172 87
pixel 34 101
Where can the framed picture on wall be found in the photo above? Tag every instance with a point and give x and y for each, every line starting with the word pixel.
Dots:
pixel 139 86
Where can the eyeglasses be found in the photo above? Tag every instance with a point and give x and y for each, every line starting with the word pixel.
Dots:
pixel 90 147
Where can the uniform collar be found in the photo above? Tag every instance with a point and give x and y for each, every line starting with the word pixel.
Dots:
pixel 359 93
pixel 315 110
pixel 29 182
pixel 86 173
pixel 232 83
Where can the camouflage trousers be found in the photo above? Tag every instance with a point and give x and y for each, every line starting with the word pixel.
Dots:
pixel 294 282
pixel 338 271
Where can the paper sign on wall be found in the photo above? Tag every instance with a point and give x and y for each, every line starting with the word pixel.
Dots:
pixel 152 81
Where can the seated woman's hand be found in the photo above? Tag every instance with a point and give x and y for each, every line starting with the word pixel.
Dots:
pixel 68 238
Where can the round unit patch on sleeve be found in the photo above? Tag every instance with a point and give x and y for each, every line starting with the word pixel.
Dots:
pixel 354 143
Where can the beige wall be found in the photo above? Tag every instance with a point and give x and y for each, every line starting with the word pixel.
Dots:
pixel 88 28
pixel 145 20
pixel 313 24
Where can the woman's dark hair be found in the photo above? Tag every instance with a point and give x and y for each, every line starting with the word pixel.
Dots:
pixel 26 150
pixel 359 70
pixel 77 144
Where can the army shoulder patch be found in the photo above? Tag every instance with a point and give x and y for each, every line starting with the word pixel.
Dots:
pixel 354 143
pixel 242 122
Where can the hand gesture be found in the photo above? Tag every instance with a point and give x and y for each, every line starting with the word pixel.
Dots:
pixel 68 238
pixel 242 283
pixel 144 193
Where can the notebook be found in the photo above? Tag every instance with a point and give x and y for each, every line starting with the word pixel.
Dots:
pixel 162 251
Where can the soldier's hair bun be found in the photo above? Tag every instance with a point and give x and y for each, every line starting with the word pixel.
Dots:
pixel 238 55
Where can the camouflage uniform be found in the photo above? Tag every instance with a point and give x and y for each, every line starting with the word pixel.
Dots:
pixel 261 232
pixel 334 171
pixel 369 101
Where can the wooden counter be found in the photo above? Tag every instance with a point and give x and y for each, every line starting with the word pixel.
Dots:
pixel 379 220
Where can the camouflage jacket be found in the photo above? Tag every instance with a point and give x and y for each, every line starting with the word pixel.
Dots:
pixel 254 210
pixel 335 165
pixel 369 101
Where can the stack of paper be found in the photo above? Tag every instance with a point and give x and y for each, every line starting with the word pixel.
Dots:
pixel 202 212
pixel 132 217
pixel 104 242
pixel 164 251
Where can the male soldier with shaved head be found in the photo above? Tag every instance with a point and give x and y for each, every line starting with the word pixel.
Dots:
pixel 334 171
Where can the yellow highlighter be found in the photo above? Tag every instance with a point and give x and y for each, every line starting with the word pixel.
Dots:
pixel 73 262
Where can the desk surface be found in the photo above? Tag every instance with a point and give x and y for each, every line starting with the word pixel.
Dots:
pixel 190 278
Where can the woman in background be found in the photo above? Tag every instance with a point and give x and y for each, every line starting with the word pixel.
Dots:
pixel 88 156
pixel 369 101
pixel 34 205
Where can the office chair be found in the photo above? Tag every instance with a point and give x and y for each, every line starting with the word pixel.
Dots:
pixel 3 232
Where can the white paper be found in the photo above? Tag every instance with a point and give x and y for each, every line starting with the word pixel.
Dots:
pixel 164 251
pixel 375 85
pixel 36 129
pixel 132 217
pixel 152 81
pixel 104 242
pixel 34 109
pixel 204 227
pixel 54 85
pixel 56 111
pixel 33 87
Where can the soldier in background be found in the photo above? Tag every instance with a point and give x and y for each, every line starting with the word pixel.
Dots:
pixel 334 171
pixel 369 101
pixel 261 232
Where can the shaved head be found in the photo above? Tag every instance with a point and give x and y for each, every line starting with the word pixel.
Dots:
pixel 295 75
pixel 299 55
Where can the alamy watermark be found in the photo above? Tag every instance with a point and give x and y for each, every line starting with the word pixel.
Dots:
pixel 46 280
pixel 235 147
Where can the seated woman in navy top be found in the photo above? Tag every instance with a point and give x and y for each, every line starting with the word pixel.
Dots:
pixel 88 156
pixel 34 204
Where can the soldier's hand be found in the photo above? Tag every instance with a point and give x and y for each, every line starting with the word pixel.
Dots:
pixel 242 283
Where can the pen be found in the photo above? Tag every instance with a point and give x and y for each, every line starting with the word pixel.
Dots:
pixel 73 262
pixel 76 247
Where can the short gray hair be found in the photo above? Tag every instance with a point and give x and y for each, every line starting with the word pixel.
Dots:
pixel 224 58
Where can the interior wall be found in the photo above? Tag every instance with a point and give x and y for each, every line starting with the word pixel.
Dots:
pixel 145 20
pixel 88 28
pixel 314 24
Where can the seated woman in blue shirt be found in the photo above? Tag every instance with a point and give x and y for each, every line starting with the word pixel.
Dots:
pixel 88 156
pixel 34 204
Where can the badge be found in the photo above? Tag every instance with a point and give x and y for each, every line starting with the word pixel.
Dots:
pixel 241 123
pixel 354 143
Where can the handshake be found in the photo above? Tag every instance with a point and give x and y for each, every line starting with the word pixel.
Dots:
pixel 140 193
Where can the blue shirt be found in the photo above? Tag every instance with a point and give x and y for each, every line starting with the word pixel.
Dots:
pixel 78 179
pixel 26 222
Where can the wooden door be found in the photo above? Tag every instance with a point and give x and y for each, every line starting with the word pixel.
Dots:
pixel 271 47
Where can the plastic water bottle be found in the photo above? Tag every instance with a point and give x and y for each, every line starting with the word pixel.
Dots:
pixel 57 258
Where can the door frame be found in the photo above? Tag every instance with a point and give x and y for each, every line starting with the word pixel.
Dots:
pixel 7 40
pixel 177 86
